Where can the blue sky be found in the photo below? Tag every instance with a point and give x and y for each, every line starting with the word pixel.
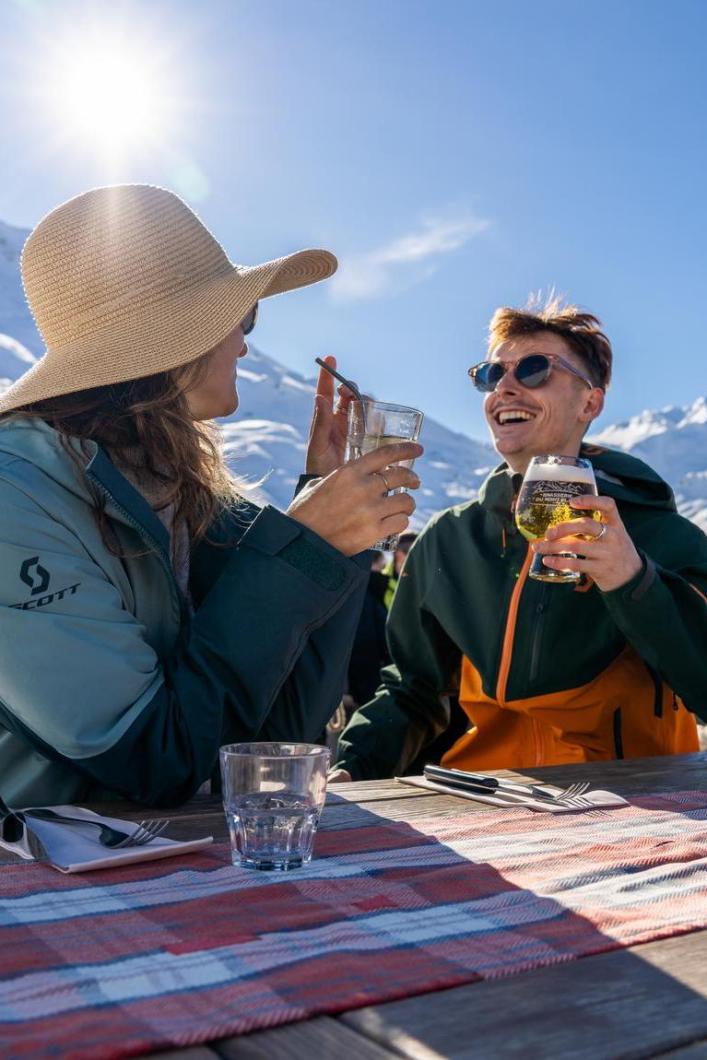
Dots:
pixel 455 155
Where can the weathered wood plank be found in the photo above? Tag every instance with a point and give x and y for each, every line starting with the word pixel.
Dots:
pixel 631 775
pixel 313 1039
pixel 382 810
pixel 628 1003
pixel 364 791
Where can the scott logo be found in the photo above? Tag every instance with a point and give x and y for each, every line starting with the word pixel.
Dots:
pixel 39 581
pixel 44 601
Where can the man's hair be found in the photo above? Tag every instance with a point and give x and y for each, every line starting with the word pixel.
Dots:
pixel 581 331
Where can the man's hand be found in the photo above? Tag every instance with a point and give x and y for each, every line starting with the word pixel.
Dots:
pixel 608 555
pixel 339 776
pixel 327 433
pixel 351 507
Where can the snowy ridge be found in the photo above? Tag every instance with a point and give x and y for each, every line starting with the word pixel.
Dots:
pixel 266 441
pixel 673 441
pixel 15 318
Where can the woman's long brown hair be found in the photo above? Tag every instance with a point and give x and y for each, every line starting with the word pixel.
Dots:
pixel 146 427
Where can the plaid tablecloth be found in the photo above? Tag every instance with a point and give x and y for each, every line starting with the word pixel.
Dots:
pixel 173 953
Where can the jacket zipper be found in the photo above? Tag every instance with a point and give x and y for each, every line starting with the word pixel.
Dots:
pixel 657 692
pixel 618 736
pixel 540 612
pixel 152 542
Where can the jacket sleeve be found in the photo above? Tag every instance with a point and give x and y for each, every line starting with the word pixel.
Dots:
pixel 265 656
pixel 662 611
pixel 411 706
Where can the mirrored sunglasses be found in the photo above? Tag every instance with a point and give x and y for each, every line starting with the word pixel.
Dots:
pixel 530 371
pixel 249 320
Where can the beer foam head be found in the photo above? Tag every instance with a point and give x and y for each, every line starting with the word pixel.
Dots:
pixel 546 470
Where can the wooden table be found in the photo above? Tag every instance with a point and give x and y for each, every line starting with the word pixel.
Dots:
pixel 643 1001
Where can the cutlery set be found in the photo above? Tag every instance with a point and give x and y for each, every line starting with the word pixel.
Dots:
pixel 511 791
pixel 17 824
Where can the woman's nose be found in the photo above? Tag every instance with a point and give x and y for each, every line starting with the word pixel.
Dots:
pixel 244 351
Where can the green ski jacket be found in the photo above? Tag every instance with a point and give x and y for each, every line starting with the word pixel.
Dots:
pixel 109 687
pixel 544 673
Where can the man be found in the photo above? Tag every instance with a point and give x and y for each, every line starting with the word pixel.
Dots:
pixel 613 667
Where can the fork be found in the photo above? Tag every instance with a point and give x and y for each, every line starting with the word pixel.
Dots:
pixel 574 793
pixel 576 799
pixel 143 833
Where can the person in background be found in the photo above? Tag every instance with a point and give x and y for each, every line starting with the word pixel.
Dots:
pixel 394 567
pixel 148 612
pixel 613 667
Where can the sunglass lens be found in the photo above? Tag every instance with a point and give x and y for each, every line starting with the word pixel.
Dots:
pixel 248 321
pixel 486 376
pixel 532 371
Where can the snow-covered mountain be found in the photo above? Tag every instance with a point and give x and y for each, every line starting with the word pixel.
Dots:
pixel 673 441
pixel 269 432
pixel 266 440
pixel 15 318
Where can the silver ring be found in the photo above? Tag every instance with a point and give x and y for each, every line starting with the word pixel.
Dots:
pixel 385 480
pixel 601 533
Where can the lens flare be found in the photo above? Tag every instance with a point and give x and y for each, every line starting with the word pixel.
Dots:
pixel 112 94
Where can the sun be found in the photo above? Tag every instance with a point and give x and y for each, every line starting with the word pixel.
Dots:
pixel 111 93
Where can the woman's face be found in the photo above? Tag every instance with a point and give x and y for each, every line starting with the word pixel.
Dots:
pixel 216 394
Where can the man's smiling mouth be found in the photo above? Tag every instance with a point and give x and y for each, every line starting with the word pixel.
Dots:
pixel 505 416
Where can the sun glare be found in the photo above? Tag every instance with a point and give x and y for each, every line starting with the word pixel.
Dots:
pixel 112 94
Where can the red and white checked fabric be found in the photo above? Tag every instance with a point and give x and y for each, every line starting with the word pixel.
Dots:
pixel 173 953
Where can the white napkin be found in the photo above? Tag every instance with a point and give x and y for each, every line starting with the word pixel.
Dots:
pixel 72 848
pixel 599 799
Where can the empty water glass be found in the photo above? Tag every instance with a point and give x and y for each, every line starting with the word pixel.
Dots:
pixel 273 795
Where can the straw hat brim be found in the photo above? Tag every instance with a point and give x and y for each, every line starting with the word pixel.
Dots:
pixel 165 334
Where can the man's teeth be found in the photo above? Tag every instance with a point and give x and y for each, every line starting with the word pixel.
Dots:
pixel 511 415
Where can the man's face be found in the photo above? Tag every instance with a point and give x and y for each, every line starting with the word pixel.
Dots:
pixel 550 419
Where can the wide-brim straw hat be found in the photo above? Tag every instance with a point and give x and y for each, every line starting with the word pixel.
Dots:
pixel 126 281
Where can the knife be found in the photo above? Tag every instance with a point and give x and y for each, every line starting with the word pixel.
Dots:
pixel 13 827
pixel 483 784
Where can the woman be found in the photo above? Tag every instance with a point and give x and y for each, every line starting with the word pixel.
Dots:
pixel 147 613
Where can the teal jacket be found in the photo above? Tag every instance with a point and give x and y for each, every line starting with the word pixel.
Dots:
pixel 108 685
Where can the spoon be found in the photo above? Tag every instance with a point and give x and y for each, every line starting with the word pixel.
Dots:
pixel 347 383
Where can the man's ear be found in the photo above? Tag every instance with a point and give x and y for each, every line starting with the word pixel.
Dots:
pixel 593 405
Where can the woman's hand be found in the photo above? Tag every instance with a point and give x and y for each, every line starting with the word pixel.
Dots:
pixel 350 507
pixel 608 555
pixel 327 433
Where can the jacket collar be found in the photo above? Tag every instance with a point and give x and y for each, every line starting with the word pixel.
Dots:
pixel 124 502
pixel 497 492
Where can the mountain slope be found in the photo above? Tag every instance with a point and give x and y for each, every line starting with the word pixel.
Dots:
pixel 15 318
pixel 672 440
pixel 266 440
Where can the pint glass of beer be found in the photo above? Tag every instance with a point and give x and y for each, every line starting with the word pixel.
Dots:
pixel 544 500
